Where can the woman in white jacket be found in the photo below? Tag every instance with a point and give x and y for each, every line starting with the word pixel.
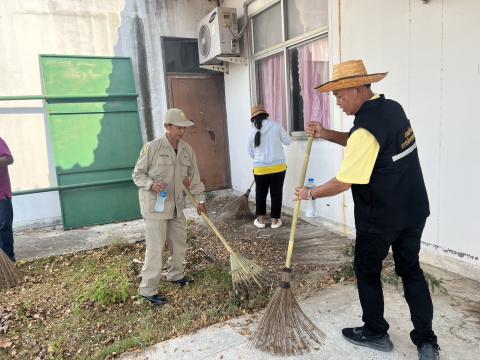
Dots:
pixel 265 147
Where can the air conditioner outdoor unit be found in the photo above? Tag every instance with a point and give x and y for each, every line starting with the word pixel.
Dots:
pixel 216 35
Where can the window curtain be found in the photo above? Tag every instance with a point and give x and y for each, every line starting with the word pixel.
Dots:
pixel 313 71
pixel 271 87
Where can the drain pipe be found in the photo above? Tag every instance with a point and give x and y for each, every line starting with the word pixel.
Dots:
pixel 245 18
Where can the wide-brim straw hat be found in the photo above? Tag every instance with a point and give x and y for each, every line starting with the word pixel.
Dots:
pixel 177 117
pixel 257 110
pixel 350 74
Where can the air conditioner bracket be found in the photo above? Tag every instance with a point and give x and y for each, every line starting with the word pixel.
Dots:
pixel 220 68
pixel 233 59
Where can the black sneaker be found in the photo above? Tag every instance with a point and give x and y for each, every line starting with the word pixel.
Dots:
pixel 183 281
pixel 155 299
pixel 360 337
pixel 428 351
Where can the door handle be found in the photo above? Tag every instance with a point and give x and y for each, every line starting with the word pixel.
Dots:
pixel 210 132
pixel 212 135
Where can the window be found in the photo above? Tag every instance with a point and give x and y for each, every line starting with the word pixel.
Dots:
pixel 267 28
pixel 291 59
pixel 305 15
pixel 308 68
pixel 181 56
pixel 271 83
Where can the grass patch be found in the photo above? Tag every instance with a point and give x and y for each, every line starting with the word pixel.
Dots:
pixel 84 306
pixel 111 287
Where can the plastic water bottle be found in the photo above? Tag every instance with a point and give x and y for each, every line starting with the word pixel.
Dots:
pixel 160 204
pixel 310 210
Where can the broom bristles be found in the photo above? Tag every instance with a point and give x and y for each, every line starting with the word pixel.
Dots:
pixel 238 208
pixel 9 276
pixel 245 273
pixel 284 328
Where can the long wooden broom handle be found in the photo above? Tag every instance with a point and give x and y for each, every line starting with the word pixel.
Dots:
pixel 251 185
pixel 291 241
pixel 209 222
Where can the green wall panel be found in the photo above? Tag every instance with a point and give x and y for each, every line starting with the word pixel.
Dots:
pixel 94 138
pixel 83 75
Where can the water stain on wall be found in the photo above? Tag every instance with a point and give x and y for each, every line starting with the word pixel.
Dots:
pixel 143 75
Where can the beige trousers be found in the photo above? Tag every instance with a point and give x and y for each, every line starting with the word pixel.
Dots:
pixel 158 232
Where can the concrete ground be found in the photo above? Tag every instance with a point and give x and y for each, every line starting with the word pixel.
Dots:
pixel 456 321
pixel 47 241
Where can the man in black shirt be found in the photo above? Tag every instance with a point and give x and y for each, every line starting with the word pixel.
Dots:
pixel 382 168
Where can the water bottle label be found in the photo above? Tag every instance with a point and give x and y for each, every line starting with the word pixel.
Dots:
pixel 160 203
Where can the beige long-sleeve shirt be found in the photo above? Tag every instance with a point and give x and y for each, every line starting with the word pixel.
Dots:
pixel 158 161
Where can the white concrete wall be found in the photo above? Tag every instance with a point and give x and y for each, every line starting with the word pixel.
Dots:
pixel 27 29
pixel 143 24
pixel 433 69
pixel 77 27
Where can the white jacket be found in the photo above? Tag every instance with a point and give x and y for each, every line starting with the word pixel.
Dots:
pixel 270 151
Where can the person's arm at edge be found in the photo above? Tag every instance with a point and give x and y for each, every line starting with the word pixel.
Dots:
pixel 6 160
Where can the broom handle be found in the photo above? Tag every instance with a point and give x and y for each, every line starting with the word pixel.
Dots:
pixel 291 241
pixel 209 222
pixel 251 185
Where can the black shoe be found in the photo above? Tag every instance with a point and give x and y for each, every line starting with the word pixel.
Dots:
pixel 183 281
pixel 428 351
pixel 155 299
pixel 359 336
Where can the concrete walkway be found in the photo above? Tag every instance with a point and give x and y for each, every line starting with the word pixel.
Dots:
pixel 456 321
pixel 457 324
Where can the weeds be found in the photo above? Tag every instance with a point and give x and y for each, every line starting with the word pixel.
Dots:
pixel 435 283
pixel 391 278
pixel 209 195
pixel 111 288
pixel 349 250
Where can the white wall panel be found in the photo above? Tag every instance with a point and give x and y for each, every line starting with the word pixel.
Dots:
pixel 459 194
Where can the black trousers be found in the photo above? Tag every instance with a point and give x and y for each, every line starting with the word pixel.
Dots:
pixel 6 230
pixel 370 250
pixel 274 183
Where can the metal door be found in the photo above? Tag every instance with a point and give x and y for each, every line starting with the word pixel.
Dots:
pixel 95 134
pixel 202 98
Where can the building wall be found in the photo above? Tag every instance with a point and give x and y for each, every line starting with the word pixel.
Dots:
pixel 433 71
pixel 78 27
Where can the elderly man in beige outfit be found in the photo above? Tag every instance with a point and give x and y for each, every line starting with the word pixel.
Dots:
pixel 165 165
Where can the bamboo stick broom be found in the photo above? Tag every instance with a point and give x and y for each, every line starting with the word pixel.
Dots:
pixel 238 208
pixel 244 272
pixel 284 328
pixel 9 275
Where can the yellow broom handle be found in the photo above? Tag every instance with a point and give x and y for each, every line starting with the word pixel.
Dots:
pixel 209 222
pixel 291 241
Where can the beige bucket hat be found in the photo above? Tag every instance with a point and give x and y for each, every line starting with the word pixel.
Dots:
pixel 257 110
pixel 177 117
pixel 350 74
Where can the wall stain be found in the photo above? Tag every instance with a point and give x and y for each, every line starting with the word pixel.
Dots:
pixel 143 76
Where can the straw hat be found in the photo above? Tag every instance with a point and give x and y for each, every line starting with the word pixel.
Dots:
pixel 177 117
pixel 350 74
pixel 257 110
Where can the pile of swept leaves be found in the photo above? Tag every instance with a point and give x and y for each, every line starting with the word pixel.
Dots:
pixel 85 305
